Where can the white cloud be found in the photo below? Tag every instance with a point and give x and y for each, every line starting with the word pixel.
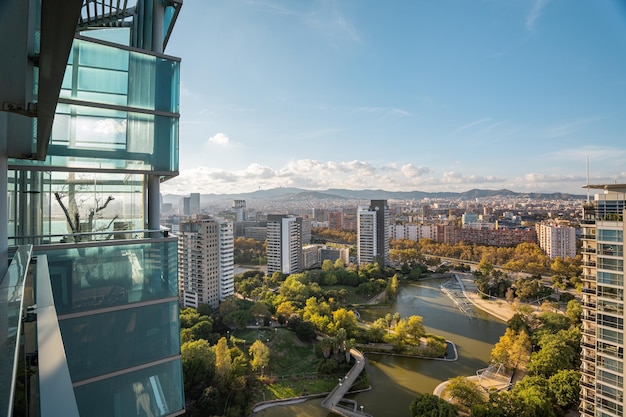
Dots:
pixel 219 139
pixel 410 170
pixel 320 175
pixel 534 14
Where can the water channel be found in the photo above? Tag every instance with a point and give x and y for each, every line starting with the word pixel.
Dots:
pixel 395 380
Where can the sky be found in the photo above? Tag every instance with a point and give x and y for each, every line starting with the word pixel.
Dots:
pixel 445 95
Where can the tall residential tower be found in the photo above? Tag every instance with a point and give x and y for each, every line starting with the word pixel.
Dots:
pixel 284 244
pixel 205 262
pixel 602 344
pixel 373 233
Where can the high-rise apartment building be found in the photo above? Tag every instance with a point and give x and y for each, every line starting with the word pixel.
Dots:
pixel 602 344
pixel 335 220
pixel 88 131
pixel 239 207
pixel 373 233
pixel 284 244
pixel 557 240
pixel 205 262
pixel 191 204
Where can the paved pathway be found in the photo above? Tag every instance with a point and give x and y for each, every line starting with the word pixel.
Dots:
pixel 331 402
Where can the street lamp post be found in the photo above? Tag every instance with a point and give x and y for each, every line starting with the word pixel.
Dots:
pixel 361 409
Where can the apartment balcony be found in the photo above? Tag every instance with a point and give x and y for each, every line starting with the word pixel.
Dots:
pixel 588 372
pixel 588 236
pixel 588 358
pixel 589 290
pixel 588 345
pixel 590 332
pixel 589 317
pixel 588 221
pixel 589 263
pixel 588 277
pixel 588 385
pixel 588 250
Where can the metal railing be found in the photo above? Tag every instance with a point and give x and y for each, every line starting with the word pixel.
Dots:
pixel 11 305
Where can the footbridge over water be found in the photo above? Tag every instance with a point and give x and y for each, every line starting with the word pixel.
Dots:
pixel 334 401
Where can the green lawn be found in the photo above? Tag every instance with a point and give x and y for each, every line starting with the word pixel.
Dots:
pixel 291 371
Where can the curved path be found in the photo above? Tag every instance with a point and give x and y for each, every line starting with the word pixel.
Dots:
pixel 331 402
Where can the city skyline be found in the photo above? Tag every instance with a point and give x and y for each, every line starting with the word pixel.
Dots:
pixel 428 96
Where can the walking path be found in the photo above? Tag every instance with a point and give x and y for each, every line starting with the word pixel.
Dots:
pixel 499 309
pixel 331 402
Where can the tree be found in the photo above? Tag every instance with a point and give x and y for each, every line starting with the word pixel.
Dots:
pixel 223 362
pixel 565 386
pixel 574 311
pixel 198 367
pixel 202 330
pixel 339 264
pixel 429 405
pixel 75 206
pixel 555 355
pixel 485 267
pixel 260 355
pixel 466 392
pixel 327 265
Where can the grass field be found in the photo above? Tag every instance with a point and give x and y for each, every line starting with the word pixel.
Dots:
pixel 291 371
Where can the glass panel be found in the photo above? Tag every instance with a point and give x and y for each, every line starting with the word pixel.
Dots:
pixel 88 278
pixel 611 264
pixel 101 203
pixel 610 249
pixel 610 292
pixel 610 278
pixel 85 137
pixel 11 289
pixel 158 389
pixel 610 235
pixel 103 343
pixel 144 81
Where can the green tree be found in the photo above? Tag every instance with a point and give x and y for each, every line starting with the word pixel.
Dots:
pixel 565 386
pixel 574 311
pixel 260 355
pixel 327 265
pixel 198 361
pixel 339 264
pixel 555 355
pixel 466 392
pixel 223 362
pixel 429 405
pixel 202 330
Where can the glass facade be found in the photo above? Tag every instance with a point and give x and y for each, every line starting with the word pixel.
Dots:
pixel 86 205
pixel 602 344
pixel 100 277
pixel 156 388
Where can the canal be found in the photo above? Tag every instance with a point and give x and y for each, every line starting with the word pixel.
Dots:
pixel 396 380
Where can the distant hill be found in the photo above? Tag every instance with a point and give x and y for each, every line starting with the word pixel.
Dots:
pixel 299 194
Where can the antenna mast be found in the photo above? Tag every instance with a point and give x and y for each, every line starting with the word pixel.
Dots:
pixel 587 166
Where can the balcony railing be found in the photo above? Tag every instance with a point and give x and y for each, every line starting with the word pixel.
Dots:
pixel 11 305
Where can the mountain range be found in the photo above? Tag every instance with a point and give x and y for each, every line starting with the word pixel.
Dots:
pixel 299 194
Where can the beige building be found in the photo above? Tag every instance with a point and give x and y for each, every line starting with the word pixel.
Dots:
pixel 556 239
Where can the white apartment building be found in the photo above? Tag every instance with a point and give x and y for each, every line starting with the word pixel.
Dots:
pixel 414 231
pixel 284 244
pixel 557 240
pixel 602 343
pixel 373 233
pixel 206 262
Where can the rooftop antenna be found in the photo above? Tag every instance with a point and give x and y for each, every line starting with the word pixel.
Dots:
pixel 587 166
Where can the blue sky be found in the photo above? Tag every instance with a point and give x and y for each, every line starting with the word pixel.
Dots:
pixel 400 95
